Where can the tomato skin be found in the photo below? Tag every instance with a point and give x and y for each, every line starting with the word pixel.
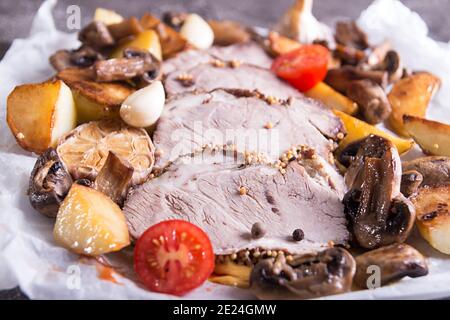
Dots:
pixel 304 67
pixel 179 263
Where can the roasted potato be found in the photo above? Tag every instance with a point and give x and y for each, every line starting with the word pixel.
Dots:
pixel 433 216
pixel 146 40
pixel 94 100
pixel 357 130
pixel 107 16
pixel 411 96
pixel 39 114
pixel 231 274
pixel 90 223
pixel 432 136
pixel 332 98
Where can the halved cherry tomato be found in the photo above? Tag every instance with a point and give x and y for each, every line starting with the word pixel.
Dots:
pixel 304 67
pixel 173 257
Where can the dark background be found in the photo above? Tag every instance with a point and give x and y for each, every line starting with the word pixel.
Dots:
pixel 16 18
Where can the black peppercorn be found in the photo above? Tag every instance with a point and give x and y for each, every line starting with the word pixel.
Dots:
pixel 258 230
pixel 298 235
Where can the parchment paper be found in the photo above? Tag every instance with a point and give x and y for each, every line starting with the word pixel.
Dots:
pixel 28 255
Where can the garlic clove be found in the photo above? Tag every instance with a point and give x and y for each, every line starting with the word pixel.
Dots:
pixel 197 32
pixel 144 107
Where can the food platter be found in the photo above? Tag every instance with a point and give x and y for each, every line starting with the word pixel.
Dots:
pixel 28 236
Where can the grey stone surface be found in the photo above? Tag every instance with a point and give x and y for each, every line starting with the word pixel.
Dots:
pixel 16 17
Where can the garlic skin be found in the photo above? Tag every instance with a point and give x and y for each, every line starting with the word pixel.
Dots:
pixel 144 107
pixel 197 32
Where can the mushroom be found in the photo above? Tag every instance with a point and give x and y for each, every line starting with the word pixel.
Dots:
pixel 394 262
pixel 392 64
pixel 348 154
pixel 49 183
pixel 435 170
pixel 308 276
pixel 114 179
pixel 377 54
pixel 371 99
pixel 174 19
pixel 96 35
pixel 81 58
pixel 341 78
pixel 126 28
pixel 350 35
pixel 411 181
pixel 348 55
pixel 378 213
pixel 135 63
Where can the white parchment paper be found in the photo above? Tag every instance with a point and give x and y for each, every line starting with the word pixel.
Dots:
pixel 28 255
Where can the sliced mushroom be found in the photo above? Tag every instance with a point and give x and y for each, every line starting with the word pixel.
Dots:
pixel 378 213
pixel 308 276
pixel 350 35
pixel 394 262
pixel 126 28
pixel 96 35
pixel 81 58
pixel 135 63
pixel 371 99
pixel 378 54
pixel 392 64
pixel 348 55
pixel 114 178
pixel 348 154
pixel 227 32
pixel 341 78
pixel 174 19
pixel 411 181
pixel 49 183
pixel 435 170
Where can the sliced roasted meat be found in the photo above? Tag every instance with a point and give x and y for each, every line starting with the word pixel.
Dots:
pixel 309 276
pixel 218 74
pixel 248 52
pixel 226 193
pixel 394 262
pixel 246 119
pixel 379 214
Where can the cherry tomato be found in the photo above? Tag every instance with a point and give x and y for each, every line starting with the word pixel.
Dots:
pixel 304 67
pixel 173 257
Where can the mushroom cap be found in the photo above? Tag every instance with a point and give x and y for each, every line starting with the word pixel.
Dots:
pixel 308 276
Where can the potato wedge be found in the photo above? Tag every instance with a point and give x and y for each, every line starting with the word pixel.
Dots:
pixel 39 114
pixel 94 100
pixel 432 136
pixel 411 96
pixel 107 16
pixel 433 216
pixel 90 223
pixel 231 274
pixel 332 99
pixel 146 40
pixel 357 130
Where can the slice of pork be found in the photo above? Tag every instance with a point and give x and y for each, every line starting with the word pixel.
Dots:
pixel 248 52
pixel 208 76
pixel 246 120
pixel 207 190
